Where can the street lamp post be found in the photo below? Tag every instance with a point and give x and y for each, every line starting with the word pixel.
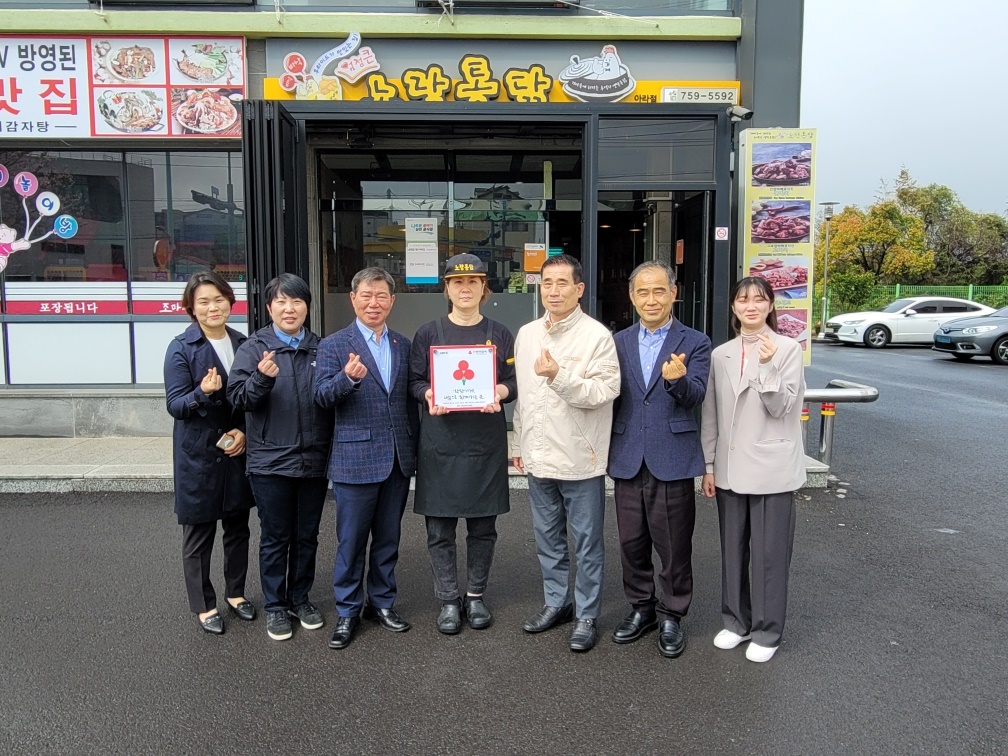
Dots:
pixel 827 215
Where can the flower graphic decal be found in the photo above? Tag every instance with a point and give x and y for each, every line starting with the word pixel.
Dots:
pixel 463 373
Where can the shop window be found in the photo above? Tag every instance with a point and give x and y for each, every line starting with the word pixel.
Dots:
pixel 88 186
pixel 186 214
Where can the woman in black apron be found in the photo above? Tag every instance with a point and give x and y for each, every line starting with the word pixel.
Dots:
pixel 462 461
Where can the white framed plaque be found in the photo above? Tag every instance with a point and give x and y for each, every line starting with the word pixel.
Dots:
pixel 463 377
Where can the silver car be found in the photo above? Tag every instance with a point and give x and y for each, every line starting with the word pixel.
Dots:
pixel 975 337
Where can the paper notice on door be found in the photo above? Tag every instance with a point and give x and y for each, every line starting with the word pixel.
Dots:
pixel 421 251
pixel 421 262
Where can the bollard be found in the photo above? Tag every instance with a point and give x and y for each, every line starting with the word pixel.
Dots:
pixel 804 427
pixel 836 391
pixel 828 411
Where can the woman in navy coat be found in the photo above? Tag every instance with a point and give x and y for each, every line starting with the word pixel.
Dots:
pixel 209 450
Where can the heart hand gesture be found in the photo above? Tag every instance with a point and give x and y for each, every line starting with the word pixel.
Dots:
pixel 354 368
pixel 211 382
pixel 767 348
pixel 675 368
pixel 267 367
pixel 546 366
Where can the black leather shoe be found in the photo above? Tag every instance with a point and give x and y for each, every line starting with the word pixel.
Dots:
pixel 449 621
pixel 671 640
pixel 548 616
pixel 214 624
pixel 387 618
pixel 633 626
pixel 244 610
pixel 583 635
pixel 476 613
pixel 344 631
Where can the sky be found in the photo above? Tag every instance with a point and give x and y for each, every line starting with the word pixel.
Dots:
pixel 915 84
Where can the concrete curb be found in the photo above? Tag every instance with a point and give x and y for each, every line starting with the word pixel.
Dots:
pixel 97 480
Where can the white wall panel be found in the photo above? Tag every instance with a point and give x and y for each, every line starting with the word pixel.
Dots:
pixel 69 353
pixel 150 343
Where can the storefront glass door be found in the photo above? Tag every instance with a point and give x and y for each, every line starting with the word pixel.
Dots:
pixel 490 189
pixel 636 226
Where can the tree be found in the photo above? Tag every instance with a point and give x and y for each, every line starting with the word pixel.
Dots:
pixel 968 247
pixel 883 240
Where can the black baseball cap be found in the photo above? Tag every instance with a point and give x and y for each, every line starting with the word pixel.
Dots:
pixel 464 265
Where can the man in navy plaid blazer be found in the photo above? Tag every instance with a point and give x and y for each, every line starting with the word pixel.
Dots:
pixel 362 374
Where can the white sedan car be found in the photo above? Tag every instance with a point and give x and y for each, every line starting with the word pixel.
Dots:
pixel 906 321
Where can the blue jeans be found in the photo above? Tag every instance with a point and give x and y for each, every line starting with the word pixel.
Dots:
pixel 579 504
pixel 290 510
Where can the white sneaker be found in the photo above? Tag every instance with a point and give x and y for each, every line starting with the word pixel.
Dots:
pixel 726 639
pixel 760 654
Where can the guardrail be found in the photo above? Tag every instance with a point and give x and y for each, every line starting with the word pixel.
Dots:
pixel 836 392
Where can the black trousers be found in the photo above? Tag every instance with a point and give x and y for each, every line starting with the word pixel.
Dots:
pixel 481 537
pixel 197 545
pixel 757 531
pixel 652 513
pixel 290 512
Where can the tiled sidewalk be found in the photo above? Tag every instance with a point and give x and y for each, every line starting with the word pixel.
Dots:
pixel 142 464
pixel 61 465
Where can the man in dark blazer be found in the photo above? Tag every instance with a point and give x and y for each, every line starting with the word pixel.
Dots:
pixel 362 374
pixel 654 456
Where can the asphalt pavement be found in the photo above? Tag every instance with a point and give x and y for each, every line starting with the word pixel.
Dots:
pixel 893 643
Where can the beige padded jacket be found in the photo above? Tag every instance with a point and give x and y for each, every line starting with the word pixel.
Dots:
pixel 562 428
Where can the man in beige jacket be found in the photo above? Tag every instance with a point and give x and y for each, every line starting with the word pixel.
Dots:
pixel 568 377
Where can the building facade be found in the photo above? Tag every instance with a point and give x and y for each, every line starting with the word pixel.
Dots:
pixel 162 138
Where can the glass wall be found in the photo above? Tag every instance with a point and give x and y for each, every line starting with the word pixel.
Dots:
pixel 96 248
pixel 490 189
pixel 186 214
pixel 89 188
pixel 139 217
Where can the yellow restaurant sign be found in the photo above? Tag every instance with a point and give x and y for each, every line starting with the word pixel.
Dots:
pixel 353 72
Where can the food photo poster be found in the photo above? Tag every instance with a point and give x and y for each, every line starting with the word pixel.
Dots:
pixel 777 222
pixel 137 86
pixel 205 80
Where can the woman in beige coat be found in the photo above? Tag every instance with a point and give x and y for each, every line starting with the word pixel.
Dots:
pixel 751 435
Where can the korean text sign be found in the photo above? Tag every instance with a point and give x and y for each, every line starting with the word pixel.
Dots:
pixel 73 87
pixel 463 377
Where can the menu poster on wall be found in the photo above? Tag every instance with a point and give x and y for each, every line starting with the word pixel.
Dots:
pixel 121 86
pixel 421 251
pixel 776 216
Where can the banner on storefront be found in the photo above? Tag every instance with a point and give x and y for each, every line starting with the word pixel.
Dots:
pixel 776 221
pixel 73 87
pixel 530 71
